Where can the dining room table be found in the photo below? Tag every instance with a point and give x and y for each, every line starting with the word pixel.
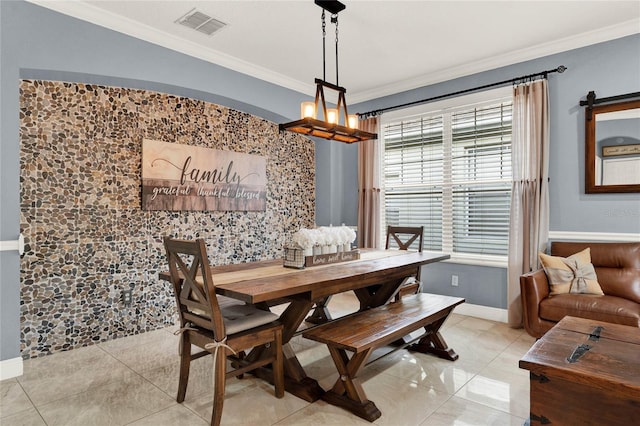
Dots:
pixel 374 278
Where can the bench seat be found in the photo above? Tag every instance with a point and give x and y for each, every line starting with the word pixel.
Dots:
pixel 365 331
pixel 383 325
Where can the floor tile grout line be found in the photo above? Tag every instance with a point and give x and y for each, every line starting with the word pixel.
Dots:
pixel 476 374
pixel 101 385
pixel 33 405
pixel 505 340
pixel 154 385
pixel 160 411
pixel 426 419
pixel 138 373
pixel 79 392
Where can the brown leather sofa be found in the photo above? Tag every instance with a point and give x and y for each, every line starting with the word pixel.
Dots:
pixel 617 267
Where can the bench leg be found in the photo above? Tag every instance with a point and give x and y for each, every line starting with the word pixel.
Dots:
pixel 347 392
pixel 433 342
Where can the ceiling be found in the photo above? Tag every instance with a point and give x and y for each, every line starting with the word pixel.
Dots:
pixel 385 47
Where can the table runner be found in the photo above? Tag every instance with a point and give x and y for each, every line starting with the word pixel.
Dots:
pixel 278 270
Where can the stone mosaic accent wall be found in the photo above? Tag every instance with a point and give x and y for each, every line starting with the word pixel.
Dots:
pixel 87 238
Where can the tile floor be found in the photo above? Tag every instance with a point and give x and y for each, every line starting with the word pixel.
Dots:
pixel 133 381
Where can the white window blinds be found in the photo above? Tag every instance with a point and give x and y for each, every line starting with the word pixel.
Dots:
pixel 450 170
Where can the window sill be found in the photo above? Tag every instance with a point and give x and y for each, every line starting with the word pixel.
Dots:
pixel 479 260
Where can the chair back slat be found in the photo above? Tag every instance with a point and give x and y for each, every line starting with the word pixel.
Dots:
pixel 405 236
pixel 193 285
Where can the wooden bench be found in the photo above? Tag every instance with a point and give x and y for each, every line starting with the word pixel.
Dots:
pixel 368 330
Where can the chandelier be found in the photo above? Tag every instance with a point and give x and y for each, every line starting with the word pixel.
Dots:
pixel 330 127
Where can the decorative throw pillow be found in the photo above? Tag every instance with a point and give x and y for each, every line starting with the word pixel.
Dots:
pixel 573 274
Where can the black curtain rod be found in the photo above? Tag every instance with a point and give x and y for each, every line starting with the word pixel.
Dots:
pixel 543 74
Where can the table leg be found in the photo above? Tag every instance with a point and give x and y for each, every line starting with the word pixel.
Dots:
pixel 433 342
pixel 347 392
pixel 296 380
pixel 377 295
pixel 320 314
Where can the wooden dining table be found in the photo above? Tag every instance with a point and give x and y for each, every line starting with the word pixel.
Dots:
pixel 374 278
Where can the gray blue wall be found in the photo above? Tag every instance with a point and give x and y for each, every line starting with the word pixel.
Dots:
pixel 38 43
pixel 611 68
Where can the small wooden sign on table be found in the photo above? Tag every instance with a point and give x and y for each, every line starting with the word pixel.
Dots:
pixel 294 258
pixel 325 259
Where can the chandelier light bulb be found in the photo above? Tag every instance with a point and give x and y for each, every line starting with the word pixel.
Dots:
pixel 332 115
pixel 307 109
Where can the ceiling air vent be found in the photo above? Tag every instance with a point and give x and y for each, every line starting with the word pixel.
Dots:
pixel 201 22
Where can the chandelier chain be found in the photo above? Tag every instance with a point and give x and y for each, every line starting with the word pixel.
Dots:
pixel 324 25
pixel 324 55
pixel 334 19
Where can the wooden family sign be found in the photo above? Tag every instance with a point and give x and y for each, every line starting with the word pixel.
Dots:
pixel 187 177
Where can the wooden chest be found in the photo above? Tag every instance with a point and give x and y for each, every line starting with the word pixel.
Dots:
pixel 585 372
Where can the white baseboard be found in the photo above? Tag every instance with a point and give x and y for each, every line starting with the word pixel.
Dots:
pixel 484 312
pixel 593 236
pixel 10 368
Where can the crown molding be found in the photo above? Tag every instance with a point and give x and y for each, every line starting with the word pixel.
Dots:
pixel 97 16
pixel 112 21
pixel 562 45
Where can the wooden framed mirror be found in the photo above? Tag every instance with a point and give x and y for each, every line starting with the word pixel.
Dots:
pixel 612 146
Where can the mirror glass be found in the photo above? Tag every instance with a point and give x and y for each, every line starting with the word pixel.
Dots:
pixel 613 148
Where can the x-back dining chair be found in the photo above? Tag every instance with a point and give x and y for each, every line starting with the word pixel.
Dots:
pixel 403 237
pixel 230 328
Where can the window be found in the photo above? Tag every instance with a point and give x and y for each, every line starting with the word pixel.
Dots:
pixel 447 166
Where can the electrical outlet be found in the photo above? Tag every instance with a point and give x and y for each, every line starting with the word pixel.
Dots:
pixel 454 280
pixel 126 297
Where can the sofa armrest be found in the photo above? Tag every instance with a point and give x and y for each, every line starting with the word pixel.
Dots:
pixel 534 287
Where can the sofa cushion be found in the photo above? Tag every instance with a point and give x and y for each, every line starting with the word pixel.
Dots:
pixel 617 265
pixel 573 274
pixel 602 308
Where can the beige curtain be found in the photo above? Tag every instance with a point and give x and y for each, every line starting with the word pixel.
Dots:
pixel 368 187
pixel 529 226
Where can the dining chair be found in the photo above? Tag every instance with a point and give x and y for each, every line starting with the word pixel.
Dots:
pixel 229 327
pixel 403 238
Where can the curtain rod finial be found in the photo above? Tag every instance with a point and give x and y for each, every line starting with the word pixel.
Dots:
pixel 561 69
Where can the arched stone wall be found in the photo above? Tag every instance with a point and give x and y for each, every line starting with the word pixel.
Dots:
pixel 87 237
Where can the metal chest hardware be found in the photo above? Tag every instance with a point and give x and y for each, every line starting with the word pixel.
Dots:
pixel 578 352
